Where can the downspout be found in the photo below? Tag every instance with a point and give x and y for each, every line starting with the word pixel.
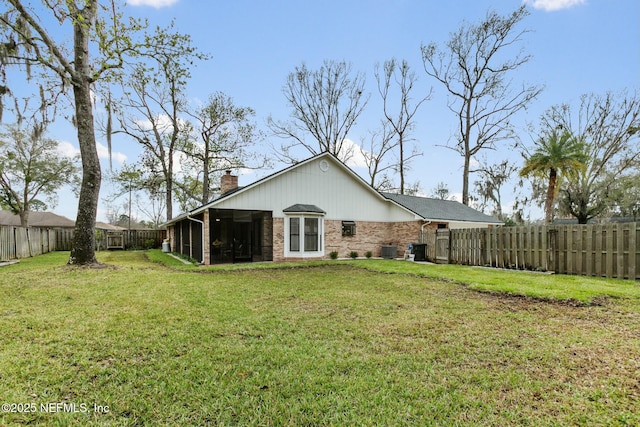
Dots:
pixel 202 245
pixel 425 223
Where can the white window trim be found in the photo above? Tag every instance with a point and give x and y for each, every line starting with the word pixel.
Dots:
pixel 287 236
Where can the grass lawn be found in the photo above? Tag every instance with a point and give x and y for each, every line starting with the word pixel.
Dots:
pixel 336 343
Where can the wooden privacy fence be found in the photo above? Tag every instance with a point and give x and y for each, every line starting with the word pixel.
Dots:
pixel 130 239
pixel 610 250
pixel 20 242
pixel 134 239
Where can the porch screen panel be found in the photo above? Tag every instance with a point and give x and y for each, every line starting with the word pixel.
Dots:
pixel 311 235
pixel 294 234
pixel 196 243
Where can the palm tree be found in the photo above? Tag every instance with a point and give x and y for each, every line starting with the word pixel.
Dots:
pixel 556 154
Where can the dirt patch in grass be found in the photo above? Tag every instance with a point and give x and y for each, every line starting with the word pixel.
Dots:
pixel 526 301
pixel 92 266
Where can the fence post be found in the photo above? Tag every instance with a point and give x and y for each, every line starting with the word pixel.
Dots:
pixel 552 240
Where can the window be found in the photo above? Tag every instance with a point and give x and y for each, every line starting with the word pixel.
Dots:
pixel 311 237
pixel 294 234
pixel 303 236
pixel 348 228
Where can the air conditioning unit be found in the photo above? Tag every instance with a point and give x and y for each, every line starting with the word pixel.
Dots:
pixel 389 252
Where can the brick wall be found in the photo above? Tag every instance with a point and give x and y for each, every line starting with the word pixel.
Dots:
pixel 278 239
pixel 267 238
pixel 369 236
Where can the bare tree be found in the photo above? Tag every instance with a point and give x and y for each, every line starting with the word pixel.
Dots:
pixel 474 68
pixel 153 104
pixel 375 152
pixel 226 136
pixel 326 103
pixel 39 41
pixel 401 122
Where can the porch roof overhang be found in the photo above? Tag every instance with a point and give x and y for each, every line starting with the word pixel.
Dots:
pixel 299 208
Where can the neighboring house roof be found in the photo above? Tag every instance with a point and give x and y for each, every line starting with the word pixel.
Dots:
pixel 441 210
pixel 37 219
pixel 610 220
pixel 109 227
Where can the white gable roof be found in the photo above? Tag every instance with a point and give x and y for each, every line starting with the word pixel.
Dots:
pixel 322 181
pixel 333 189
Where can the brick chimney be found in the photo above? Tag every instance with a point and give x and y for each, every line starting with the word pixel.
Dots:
pixel 228 182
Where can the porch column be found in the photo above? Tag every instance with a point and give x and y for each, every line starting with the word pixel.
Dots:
pixel 206 244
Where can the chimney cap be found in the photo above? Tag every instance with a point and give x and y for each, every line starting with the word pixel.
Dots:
pixel 228 171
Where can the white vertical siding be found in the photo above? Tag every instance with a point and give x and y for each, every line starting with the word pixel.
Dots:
pixel 335 190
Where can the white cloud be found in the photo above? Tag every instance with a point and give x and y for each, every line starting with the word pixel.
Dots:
pixel 67 149
pixel 163 123
pixel 356 157
pixel 103 153
pixel 553 5
pixel 153 3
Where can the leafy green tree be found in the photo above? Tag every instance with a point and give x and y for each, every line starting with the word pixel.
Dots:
pixel 475 67
pixel 489 185
pixel 609 127
pixel 31 167
pixel 153 106
pixel 625 196
pixel 141 187
pixel 556 154
pixel 441 191
pixel 59 39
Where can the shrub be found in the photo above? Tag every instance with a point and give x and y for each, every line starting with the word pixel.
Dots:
pixel 368 254
pixel 333 255
pixel 353 254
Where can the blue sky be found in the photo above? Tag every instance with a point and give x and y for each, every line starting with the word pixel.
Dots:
pixel 577 47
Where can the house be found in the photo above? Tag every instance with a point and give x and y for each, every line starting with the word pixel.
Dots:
pixel 38 219
pixel 307 211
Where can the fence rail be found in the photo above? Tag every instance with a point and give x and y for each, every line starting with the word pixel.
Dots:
pixel 610 250
pixel 21 242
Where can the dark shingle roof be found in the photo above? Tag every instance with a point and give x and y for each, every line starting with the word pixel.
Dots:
pixel 436 209
pixel 304 208
pixel 37 219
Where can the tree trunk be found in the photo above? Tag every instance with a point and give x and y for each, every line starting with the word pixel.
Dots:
pixel 465 179
pixel 401 146
pixel 24 218
pixel 83 250
pixel 169 183
pixel 205 174
pixel 551 191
